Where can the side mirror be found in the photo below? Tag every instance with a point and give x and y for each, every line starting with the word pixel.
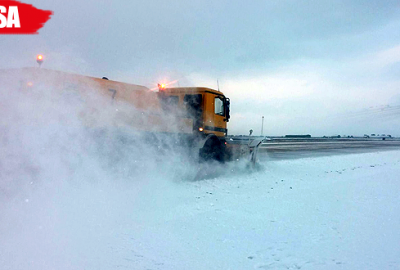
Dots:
pixel 227 109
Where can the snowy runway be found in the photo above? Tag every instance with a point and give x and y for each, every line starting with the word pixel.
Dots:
pixel 334 212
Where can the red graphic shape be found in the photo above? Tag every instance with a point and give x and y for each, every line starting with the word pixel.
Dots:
pixel 31 19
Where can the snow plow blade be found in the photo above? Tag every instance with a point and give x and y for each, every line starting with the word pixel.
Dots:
pixel 244 148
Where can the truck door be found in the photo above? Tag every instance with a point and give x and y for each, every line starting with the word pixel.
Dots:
pixel 215 119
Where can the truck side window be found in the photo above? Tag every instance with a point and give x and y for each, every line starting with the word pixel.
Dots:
pixel 193 105
pixel 169 103
pixel 194 109
pixel 219 106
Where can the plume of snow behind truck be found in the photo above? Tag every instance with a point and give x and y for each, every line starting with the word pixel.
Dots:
pixel 194 117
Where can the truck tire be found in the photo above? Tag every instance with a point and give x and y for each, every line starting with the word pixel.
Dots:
pixel 212 150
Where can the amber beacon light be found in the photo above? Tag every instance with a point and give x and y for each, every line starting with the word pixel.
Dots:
pixel 161 86
pixel 39 59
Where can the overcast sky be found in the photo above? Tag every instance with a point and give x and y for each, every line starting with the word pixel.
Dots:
pixel 317 67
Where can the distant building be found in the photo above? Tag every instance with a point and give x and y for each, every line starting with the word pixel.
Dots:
pixel 298 136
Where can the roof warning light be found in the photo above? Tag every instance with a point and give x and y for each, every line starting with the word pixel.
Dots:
pixel 161 86
pixel 39 59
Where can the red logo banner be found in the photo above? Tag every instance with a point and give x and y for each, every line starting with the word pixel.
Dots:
pixel 19 18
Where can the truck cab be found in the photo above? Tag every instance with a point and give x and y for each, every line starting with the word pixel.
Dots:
pixel 209 109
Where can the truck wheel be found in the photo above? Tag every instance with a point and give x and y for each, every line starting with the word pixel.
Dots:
pixel 212 150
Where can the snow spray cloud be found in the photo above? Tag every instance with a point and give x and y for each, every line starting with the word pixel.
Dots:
pixel 68 175
pixel 46 132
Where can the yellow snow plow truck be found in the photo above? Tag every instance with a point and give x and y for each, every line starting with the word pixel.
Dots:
pixel 196 117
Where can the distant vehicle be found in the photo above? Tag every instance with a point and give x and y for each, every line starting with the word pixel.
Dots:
pixel 366 136
pixel 383 136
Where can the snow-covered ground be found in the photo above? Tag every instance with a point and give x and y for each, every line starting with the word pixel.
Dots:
pixel 72 200
pixel 334 212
